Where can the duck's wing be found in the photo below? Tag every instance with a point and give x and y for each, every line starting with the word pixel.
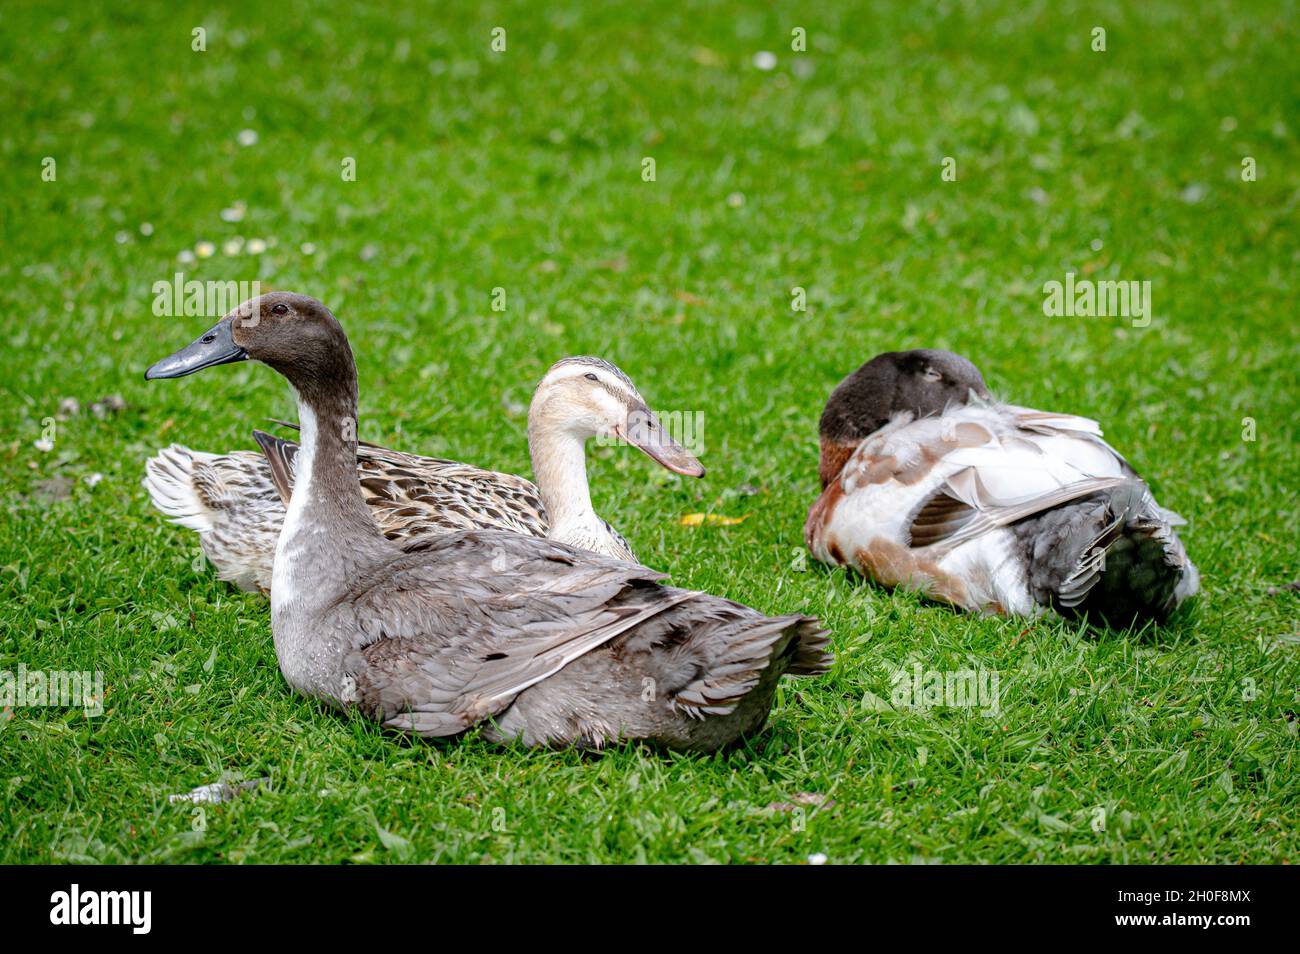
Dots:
pixel 450 634
pixel 1012 464
pixel 281 457
pixel 455 632
pixel 411 496
pixel 1052 423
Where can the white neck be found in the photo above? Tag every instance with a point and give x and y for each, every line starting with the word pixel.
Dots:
pixel 560 469
pixel 327 521
pixel 282 586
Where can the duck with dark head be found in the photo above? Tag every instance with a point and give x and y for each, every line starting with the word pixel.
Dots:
pixel 526 638
pixel 918 383
pixel 929 483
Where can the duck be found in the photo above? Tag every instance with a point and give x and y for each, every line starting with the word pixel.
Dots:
pixel 236 501
pixel 524 639
pixel 930 483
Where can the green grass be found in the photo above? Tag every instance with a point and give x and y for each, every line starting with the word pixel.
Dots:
pixel 523 170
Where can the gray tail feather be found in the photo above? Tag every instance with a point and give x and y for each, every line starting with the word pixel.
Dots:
pixel 1132 567
pixel 797 645
pixel 812 653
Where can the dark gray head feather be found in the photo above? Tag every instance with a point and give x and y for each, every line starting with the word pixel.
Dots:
pixel 923 382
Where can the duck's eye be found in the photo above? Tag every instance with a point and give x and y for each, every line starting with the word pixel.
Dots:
pixel 930 374
pixel 591 377
pixel 280 309
pixel 208 338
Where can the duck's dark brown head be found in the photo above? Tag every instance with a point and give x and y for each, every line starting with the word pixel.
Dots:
pixel 294 334
pixel 920 382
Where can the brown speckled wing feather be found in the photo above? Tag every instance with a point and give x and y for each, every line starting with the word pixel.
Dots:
pixel 280 457
pixel 412 496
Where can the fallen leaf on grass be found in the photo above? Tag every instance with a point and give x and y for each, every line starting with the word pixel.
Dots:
pixel 711 520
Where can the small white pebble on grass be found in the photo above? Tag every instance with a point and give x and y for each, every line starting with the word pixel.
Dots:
pixel 233 246
pixel 205 250
pixel 44 445
pixel 146 229
pixel 122 237
pixel 235 213
pixel 92 479
pixel 765 60
pixel 308 248
pixel 736 200
pixel 247 137
pixel 256 247
pixel 185 256
pixel 1095 245
pixel 817 859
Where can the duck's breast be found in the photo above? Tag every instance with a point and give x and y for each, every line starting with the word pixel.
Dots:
pixel 883 484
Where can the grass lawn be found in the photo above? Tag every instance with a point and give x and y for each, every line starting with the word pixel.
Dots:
pixel 522 170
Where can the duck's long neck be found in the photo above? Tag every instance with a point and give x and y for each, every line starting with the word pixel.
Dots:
pixel 560 469
pixel 327 467
pixel 328 536
pixel 327 501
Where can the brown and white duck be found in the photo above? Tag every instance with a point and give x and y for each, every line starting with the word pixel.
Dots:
pixel 236 501
pixel 929 483
pixel 529 639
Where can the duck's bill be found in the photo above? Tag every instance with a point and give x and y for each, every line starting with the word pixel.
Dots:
pixel 646 433
pixel 215 346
